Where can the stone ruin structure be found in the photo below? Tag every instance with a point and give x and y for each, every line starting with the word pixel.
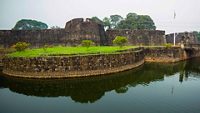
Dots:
pixel 182 38
pixel 74 32
pixel 138 37
pixel 79 29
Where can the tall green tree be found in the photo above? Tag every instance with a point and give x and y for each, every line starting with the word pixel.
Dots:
pixel 27 24
pixel 107 23
pixel 115 19
pixel 145 22
pixel 97 20
pixel 134 21
pixel 197 34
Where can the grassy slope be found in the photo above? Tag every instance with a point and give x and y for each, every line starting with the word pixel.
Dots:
pixel 68 51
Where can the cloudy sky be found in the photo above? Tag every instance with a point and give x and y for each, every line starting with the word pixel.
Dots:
pixel 58 12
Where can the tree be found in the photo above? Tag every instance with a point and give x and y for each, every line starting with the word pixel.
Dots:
pixel 134 21
pixel 145 22
pixel 26 24
pixel 107 23
pixel 87 43
pixel 97 20
pixel 120 40
pixel 55 27
pixel 197 34
pixel 115 19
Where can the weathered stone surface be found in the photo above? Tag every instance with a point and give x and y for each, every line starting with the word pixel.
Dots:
pixel 138 37
pixel 80 66
pixel 77 30
pixel 174 54
pixel 185 38
pixel 73 66
pixel 86 29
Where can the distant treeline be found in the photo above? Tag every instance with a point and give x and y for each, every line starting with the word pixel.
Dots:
pixel 131 21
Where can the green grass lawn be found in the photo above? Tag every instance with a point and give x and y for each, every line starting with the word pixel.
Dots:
pixel 60 50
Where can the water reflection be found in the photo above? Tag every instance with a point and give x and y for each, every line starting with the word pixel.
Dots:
pixel 89 90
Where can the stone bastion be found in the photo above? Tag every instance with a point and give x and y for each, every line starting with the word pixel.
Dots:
pixel 73 66
pixel 94 64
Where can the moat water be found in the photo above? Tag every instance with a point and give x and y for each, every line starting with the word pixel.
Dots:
pixel 151 88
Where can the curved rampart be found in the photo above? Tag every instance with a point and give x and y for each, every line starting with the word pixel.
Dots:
pixel 73 66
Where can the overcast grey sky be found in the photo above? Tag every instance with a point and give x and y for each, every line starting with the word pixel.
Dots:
pixel 58 12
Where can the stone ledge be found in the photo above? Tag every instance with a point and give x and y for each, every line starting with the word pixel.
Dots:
pixel 73 66
pixel 57 75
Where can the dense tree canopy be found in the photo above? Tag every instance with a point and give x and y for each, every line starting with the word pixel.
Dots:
pixel 26 24
pixel 115 19
pixel 97 20
pixel 197 34
pixel 132 21
pixel 107 23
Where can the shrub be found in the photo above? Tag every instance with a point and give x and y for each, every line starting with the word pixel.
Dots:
pixel 120 41
pixel 45 47
pixel 87 43
pixel 168 45
pixel 21 46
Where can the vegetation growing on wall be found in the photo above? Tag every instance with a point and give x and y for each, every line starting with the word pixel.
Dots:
pixel 26 24
pixel 168 45
pixel 21 46
pixel 87 43
pixel 120 41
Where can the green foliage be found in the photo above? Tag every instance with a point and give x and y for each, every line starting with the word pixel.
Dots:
pixel 26 24
pixel 134 21
pixel 120 41
pixel 107 23
pixel 45 47
pixel 168 45
pixel 97 20
pixel 21 46
pixel 197 34
pixel 57 50
pixel 55 27
pixel 115 19
pixel 87 43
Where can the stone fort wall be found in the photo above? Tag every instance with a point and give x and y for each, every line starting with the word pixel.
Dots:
pixel 77 30
pixel 139 37
pixel 73 66
pixel 185 37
